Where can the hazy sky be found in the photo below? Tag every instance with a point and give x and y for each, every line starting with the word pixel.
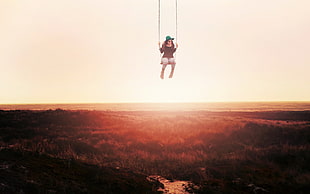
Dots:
pixel 69 51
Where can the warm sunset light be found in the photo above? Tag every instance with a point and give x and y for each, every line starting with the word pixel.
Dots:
pixel 68 51
pixel 154 96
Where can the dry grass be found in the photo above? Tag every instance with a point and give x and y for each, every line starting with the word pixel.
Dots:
pixel 223 152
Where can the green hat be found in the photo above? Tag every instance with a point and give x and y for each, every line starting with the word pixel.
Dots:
pixel 169 38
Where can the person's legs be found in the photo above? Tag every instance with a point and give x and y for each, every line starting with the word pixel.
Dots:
pixel 163 71
pixel 172 62
pixel 172 70
pixel 164 61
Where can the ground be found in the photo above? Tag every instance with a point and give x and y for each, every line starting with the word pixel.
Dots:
pixel 114 152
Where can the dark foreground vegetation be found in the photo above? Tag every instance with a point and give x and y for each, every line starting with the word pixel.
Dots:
pixel 57 151
pixel 28 172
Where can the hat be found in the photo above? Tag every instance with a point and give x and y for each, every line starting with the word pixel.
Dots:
pixel 169 38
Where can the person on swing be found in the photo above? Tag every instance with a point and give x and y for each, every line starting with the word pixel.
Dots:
pixel 168 49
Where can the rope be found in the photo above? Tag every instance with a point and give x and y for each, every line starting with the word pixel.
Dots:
pixel 176 26
pixel 176 21
pixel 158 20
pixel 159 26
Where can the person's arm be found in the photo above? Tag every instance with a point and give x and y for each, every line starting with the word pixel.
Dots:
pixel 160 48
pixel 176 46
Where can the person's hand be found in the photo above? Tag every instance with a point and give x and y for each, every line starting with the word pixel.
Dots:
pixel 176 44
pixel 159 44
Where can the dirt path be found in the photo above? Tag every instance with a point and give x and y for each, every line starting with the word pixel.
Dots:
pixel 171 187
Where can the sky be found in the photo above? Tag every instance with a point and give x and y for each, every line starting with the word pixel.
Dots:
pixel 99 51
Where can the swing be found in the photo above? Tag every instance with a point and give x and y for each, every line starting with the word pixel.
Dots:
pixel 176 29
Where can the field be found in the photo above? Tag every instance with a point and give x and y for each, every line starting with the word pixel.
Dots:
pixel 61 151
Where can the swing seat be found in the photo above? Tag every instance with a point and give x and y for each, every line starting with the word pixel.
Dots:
pixel 168 63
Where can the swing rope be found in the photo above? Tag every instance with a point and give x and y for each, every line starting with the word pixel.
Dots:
pixel 176 21
pixel 158 20
pixel 176 25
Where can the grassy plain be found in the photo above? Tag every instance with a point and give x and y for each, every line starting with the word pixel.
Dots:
pixel 222 152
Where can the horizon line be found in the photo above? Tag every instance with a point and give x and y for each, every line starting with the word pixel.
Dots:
pixel 185 102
